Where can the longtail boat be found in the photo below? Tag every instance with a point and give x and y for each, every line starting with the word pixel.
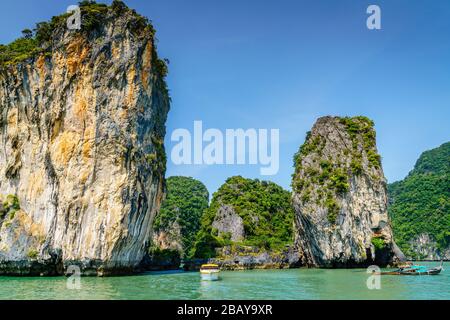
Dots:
pixel 414 271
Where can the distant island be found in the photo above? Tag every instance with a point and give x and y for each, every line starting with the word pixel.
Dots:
pixel 420 207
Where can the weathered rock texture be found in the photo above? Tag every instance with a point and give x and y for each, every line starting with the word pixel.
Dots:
pixel 425 247
pixel 169 239
pixel 340 197
pixel 81 136
pixel 227 221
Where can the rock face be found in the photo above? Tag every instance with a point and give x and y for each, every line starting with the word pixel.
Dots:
pixel 81 133
pixel 340 197
pixel 228 222
pixel 424 247
pixel 170 238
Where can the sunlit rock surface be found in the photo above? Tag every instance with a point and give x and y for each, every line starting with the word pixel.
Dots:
pixel 81 136
pixel 340 197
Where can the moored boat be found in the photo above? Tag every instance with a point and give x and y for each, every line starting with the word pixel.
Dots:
pixel 420 271
pixel 210 272
pixel 414 270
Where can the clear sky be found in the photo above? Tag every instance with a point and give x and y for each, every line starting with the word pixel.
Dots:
pixel 282 64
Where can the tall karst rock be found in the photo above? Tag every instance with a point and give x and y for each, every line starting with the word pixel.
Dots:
pixel 340 197
pixel 82 160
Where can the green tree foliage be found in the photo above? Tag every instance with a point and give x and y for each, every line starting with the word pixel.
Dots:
pixel 18 50
pixel 32 254
pixel 266 211
pixel 186 200
pixel 118 6
pixel 27 33
pixel 93 16
pixel 421 202
pixel 362 127
pixel 9 205
pixel 378 243
pixel 38 41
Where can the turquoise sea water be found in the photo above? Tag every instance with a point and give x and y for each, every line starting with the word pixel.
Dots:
pixel 258 284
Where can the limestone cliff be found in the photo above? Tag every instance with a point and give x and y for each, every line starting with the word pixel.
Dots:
pixel 340 196
pixel 82 124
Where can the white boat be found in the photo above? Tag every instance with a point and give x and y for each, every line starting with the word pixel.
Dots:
pixel 210 272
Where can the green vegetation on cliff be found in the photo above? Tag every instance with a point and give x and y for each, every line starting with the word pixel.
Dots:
pixel 333 175
pixel 378 243
pixel 362 127
pixel 186 200
pixel 93 15
pixel 9 205
pixel 38 40
pixel 420 204
pixel 266 212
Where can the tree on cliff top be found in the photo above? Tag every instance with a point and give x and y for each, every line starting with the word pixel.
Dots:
pixel 93 17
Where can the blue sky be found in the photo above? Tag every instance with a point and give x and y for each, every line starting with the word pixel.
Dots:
pixel 282 64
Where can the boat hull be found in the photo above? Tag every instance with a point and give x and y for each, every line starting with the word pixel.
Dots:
pixel 422 273
pixel 209 276
pixel 430 272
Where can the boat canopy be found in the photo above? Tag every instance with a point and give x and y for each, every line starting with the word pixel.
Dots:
pixel 417 268
pixel 209 266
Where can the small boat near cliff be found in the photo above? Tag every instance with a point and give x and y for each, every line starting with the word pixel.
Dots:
pixel 421 271
pixel 414 271
pixel 210 272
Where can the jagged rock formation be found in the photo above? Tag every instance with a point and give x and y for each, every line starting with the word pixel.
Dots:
pixel 340 197
pixel 420 207
pixel 249 224
pixel 82 123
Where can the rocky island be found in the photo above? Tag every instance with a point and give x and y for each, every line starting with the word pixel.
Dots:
pixel 248 225
pixel 340 197
pixel 82 160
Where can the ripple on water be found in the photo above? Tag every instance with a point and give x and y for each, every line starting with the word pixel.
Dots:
pixel 256 284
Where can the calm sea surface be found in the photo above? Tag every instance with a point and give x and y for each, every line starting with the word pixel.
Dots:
pixel 264 284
